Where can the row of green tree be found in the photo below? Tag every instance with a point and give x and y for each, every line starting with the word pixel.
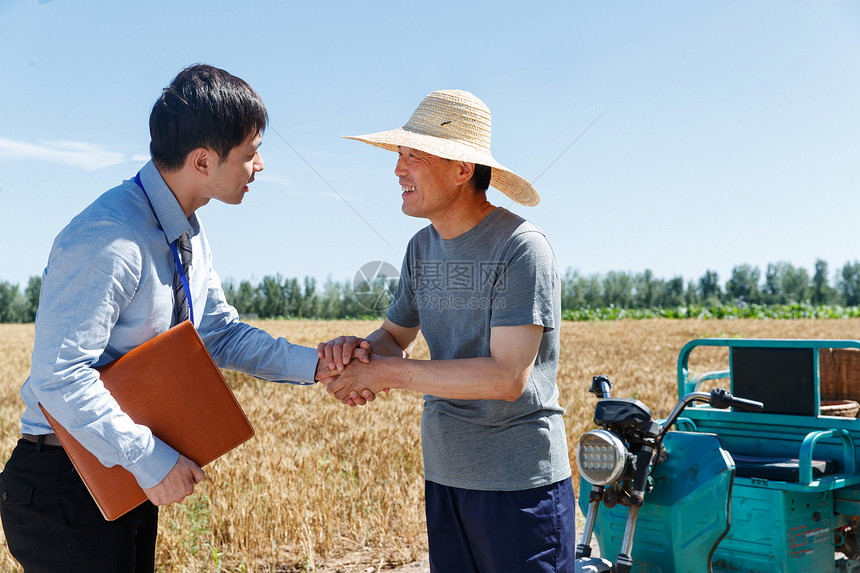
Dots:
pixel 16 306
pixel 780 284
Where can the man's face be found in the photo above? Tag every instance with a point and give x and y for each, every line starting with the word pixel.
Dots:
pixel 427 183
pixel 232 176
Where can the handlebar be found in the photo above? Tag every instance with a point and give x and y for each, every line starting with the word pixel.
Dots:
pixel 600 385
pixel 720 398
pixel 717 398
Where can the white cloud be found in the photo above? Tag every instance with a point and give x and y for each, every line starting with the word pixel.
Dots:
pixel 88 156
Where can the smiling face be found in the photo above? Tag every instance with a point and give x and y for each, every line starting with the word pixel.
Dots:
pixel 430 185
pixel 232 176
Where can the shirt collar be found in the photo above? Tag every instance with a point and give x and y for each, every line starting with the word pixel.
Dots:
pixel 167 209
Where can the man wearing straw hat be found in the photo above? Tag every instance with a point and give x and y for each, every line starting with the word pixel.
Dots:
pixel 482 286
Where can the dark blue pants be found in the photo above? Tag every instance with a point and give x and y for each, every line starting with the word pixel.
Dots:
pixel 471 531
pixel 52 524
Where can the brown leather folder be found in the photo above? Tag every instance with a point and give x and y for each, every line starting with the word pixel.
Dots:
pixel 171 385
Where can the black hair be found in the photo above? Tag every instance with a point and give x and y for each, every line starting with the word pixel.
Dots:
pixel 203 106
pixel 481 177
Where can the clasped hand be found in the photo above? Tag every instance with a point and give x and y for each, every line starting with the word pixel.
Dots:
pixel 342 368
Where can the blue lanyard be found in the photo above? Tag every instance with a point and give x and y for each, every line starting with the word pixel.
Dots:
pixel 176 259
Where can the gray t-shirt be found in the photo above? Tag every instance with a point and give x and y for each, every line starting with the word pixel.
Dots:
pixel 502 272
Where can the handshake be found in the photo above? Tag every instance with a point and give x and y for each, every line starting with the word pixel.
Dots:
pixel 350 371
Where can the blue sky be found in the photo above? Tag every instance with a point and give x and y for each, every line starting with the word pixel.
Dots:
pixel 677 136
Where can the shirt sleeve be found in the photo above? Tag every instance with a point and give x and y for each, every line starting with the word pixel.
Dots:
pixel 92 274
pixel 238 346
pixel 528 283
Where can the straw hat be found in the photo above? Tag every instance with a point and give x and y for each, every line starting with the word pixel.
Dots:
pixel 454 124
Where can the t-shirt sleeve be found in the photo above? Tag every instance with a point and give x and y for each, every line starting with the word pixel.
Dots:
pixel 527 289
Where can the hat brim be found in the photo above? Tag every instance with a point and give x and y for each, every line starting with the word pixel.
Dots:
pixel 503 179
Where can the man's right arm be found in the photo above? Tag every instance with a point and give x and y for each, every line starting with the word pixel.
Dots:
pixel 238 346
pixel 503 375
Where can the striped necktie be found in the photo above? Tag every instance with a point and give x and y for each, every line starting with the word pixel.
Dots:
pixel 180 307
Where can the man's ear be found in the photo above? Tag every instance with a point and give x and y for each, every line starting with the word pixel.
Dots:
pixel 465 172
pixel 201 160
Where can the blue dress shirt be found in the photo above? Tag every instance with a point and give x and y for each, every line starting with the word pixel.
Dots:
pixel 107 288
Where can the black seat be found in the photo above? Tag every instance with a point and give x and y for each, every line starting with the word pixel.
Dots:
pixel 780 469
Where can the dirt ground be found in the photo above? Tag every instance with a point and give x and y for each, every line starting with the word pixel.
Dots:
pixel 358 564
pixel 421 566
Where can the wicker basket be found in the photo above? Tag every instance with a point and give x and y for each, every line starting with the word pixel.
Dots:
pixel 842 408
pixel 839 371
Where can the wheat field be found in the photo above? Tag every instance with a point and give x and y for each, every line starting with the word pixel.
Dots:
pixel 322 487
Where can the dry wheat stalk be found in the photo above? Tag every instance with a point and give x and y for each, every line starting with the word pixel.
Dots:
pixel 321 483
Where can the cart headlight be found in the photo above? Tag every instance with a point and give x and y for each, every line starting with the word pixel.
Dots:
pixel 601 457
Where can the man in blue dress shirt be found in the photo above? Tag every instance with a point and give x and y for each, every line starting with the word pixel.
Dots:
pixel 109 287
